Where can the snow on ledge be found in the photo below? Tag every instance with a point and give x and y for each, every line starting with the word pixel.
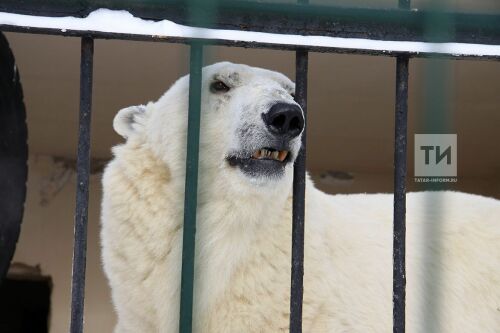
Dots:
pixel 112 21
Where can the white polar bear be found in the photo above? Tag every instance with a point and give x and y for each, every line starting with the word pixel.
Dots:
pixel 250 137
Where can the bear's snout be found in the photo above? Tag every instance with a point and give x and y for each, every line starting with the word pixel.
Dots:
pixel 284 120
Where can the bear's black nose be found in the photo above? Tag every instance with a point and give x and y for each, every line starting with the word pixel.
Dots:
pixel 284 119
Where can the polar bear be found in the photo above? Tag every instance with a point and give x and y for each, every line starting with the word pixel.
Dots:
pixel 250 136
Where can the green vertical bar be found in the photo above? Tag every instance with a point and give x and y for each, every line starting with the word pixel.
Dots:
pixel 191 189
pixel 438 27
pixel 436 119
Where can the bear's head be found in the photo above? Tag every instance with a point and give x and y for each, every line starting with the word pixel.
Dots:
pixel 250 126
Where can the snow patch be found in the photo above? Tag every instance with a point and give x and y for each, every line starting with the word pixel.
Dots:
pixel 122 22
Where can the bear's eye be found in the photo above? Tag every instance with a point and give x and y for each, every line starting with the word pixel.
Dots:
pixel 219 87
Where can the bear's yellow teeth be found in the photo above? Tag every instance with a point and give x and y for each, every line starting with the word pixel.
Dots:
pixel 282 155
pixel 268 154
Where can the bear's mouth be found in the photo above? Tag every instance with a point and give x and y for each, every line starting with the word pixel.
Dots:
pixel 266 161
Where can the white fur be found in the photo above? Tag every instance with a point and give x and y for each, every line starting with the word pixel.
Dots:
pixel 243 240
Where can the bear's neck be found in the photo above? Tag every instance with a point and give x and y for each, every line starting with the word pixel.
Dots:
pixel 231 231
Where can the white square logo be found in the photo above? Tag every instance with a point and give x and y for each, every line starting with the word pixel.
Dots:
pixel 435 155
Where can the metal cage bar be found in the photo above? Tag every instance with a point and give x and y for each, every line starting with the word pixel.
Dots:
pixel 191 188
pixel 399 236
pixel 298 208
pixel 82 186
pixel 326 19
pixel 399 226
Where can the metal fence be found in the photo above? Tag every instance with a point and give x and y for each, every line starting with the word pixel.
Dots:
pixel 300 19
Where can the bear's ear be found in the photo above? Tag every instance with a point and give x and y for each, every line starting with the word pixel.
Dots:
pixel 126 119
